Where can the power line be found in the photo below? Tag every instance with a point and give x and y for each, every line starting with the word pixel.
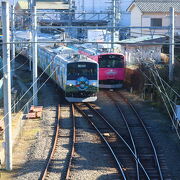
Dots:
pixel 31 98
pixel 105 42
pixel 27 90
pixel 33 84
pixel 156 74
pixel 13 58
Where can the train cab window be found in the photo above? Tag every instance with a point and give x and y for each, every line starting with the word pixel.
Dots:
pixel 76 70
pixel 111 61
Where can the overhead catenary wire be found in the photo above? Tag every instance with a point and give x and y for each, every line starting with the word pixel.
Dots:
pixel 177 132
pixel 164 95
pixel 13 59
pixel 177 94
pixel 20 65
pixel 164 103
pixel 161 82
pixel 158 86
pixel 105 42
pixel 31 97
pixel 14 105
pixel 32 85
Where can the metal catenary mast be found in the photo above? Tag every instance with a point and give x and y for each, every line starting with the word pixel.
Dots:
pixel 114 18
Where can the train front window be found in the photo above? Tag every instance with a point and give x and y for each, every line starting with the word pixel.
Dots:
pixel 111 61
pixel 76 70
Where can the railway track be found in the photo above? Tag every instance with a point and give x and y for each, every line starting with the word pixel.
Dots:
pixel 133 151
pixel 71 162
pixel 51 166
pixel 126 161
pixel 88 153
pixel 67 176
pixel 140 139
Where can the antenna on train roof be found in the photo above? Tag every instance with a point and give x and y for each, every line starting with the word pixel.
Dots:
pixel 76 57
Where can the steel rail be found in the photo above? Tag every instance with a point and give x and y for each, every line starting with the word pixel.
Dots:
pixel 115 157
pixel 147 132
pixel 123 140
pixel 73 143
pixel 129 131
pixel 44 174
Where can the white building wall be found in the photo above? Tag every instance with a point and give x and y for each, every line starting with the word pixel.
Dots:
pixel 136 21
pixel 146 21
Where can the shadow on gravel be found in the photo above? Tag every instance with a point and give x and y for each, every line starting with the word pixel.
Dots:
pixel 92 156
pixel 34 168
pixel 108 177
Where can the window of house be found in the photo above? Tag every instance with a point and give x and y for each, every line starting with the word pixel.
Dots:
pixel 156 22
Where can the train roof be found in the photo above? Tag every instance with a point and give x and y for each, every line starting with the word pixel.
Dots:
pixel 63 50
pixel 42 37
pixel 75 58
pixel 94 50
pixel 66 54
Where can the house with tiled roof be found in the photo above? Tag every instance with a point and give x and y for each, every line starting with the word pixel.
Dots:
pixel 153 13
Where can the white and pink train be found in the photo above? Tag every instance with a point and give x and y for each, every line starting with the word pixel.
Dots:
pixel 111 66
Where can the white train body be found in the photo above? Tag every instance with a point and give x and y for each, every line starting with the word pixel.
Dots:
pixel 75 74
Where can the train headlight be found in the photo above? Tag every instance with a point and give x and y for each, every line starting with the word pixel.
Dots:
pixel 70 84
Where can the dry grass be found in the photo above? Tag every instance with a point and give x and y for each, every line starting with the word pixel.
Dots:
pixel 26 138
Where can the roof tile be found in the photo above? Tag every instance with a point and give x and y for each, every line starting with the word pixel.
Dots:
pixel 155 6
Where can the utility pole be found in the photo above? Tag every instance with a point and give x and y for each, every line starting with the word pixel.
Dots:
pixel 30 6
pixel 83 9
pixel 7 85
pixel 171 46
pixel 113 23
pixel 70 15
pixel 70 11
pixel 35 73
pixel 12 40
